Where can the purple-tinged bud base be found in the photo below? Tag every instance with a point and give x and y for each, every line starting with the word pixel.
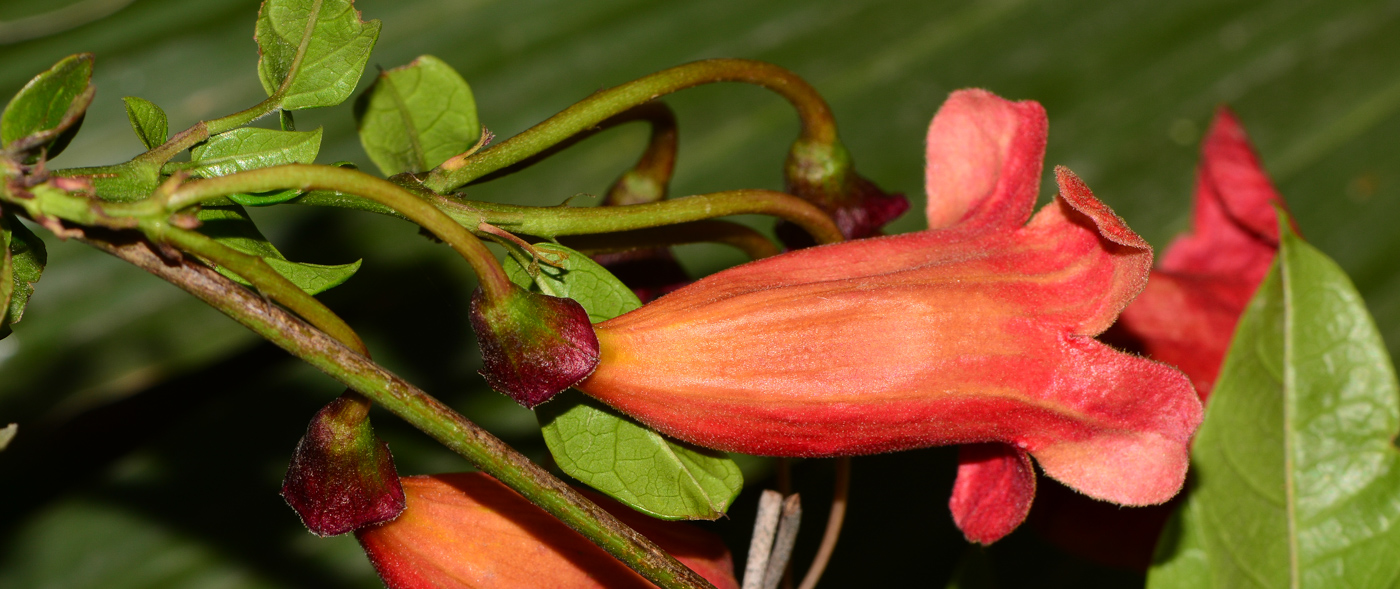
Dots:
pixel 824 176
pixel 533 346
pixel 342 476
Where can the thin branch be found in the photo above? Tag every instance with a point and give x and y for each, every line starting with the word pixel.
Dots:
pixel 482 449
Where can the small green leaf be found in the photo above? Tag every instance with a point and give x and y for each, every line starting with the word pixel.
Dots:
pixel 230 225
pixel 1296 477
pixel 52 103
pixel 312 51
pixel 417 116
pixel 285 120
pixel 24 260
pixel 607 450
pixel 249 148
pixel 148 120
pixel 262 199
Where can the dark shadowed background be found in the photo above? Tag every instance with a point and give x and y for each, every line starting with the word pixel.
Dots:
pixel 154 431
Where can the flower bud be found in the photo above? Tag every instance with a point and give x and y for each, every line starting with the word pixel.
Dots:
pixel 342 476
pixel 533 346
pixel 823 175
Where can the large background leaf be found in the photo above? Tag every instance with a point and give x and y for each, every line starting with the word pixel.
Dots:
pixel 1295 476
pixel 1128 84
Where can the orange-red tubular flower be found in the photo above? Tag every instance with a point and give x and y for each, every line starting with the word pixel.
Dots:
pixel 468 530
pixel 1185 317
pixel 979 330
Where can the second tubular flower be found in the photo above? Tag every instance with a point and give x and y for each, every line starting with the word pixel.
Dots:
pixel 979 330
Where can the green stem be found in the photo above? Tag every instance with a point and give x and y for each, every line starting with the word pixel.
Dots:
pixel 649 179
pixel 172 147
pixel 243 117
pixel 817 123
pixel 267 280
pixel 485 451
pixel 551 222
pixel 751 242
pixel 315 177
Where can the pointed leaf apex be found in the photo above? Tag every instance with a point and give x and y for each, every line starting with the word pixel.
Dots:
pixel 533 346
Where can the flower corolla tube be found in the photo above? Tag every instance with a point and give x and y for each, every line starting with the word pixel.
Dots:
pixel 468 530
pixel 978 331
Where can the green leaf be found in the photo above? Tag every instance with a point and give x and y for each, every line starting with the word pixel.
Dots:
pixel 263 199
pixel 607 450
pixel 148 120
pixel 231 226
pixel 417 116
pixel 249 148
pixel 1296 475
pixel 312 51
pixel 24 260
pixel 52 103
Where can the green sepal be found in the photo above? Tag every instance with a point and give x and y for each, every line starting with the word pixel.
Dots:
pixel 48 110
pixel 1294 471
pixel 337 50
pixel 600 446
pixel 230 225
pixel 148 120
pixel 417 116
pixel 24 261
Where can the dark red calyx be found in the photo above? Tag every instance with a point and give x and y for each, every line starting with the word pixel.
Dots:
pixel 342 476
pixel 823 175
pixel 533 346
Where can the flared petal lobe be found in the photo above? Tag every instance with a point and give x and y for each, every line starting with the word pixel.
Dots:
pixel 993 492
pixel 985 155
pixel 1187 315
pixel 924 339
pixel 468 530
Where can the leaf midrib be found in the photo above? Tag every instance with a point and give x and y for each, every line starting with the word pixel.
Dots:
pixel 311 19
pixel 1289 431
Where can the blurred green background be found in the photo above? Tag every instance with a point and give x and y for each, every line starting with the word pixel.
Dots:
pixel 154 431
